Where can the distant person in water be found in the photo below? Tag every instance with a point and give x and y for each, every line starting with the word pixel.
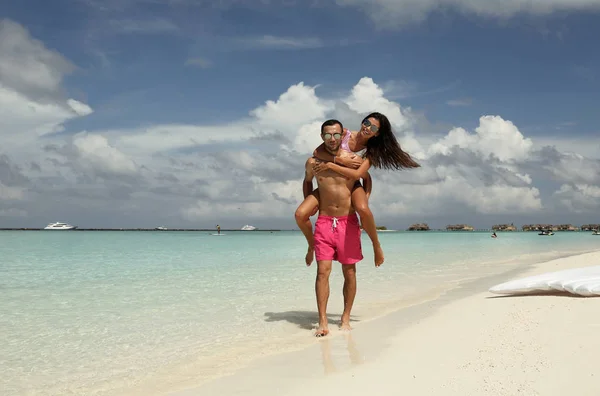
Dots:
pixel 218 229
pixel 337 232
pixel 373 145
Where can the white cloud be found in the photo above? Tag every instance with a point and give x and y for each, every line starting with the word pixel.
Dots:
pixel 526 178
pixel 452 190
pixel 588 146
pixel 501 199
pixel 295 107
pixel 367 96
pixel 12 212
pixel 161 138
pixel 456 182
pixel 21 117
pixel 80 109
pixel 142 26
pixel 394 13
pixel 26 65
pixel 579 198
pixel 477 172
pixel 31 96
pixel 308 138
pixel 267 206
pixel 251 168
pixel 277 42
pixel 199 62
pixel 570 167
pixel 494 136
pixel 97 154
pixel 11 193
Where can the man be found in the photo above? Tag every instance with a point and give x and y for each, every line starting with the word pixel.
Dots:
pixel 337 231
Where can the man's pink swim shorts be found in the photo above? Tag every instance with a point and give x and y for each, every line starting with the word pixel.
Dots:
pixel 338 238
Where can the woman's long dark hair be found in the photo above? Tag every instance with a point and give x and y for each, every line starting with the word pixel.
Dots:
pixel 384 151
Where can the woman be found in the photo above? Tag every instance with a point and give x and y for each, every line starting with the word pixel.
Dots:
pixel 380 149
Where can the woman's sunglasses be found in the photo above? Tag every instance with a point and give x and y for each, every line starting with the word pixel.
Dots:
pixel 367 124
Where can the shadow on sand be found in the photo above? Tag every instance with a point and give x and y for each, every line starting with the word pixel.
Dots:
pixel 306 320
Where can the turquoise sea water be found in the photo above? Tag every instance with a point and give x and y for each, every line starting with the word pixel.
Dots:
pixel 108 313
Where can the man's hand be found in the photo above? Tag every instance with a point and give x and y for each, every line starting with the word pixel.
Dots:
pixel 352 162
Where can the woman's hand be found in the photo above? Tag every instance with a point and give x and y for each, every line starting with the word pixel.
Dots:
pixel 320 167
pixel 352 162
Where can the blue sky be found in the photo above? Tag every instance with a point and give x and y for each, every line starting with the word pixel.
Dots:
pixel 539 72
pixel 146 63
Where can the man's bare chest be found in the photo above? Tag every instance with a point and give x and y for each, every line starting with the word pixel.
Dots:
pixel 331 178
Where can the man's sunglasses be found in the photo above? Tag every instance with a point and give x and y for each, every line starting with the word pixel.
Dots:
pixel 367 124
pixel 336 136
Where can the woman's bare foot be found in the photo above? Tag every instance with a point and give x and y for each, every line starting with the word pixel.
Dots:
pixel 310 256
pixel 378 253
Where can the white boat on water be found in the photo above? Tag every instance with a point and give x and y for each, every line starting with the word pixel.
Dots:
pixel 596 232
pixel 59 226
pixel 248 228
pixel 161 228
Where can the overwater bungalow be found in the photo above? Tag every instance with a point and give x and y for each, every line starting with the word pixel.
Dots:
pixel 419 227
pixel 504 227
pixel 590 227
pixel 460 227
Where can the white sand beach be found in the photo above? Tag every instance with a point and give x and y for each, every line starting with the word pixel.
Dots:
pixel 469 342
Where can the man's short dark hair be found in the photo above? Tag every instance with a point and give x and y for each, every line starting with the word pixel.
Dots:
pixel 330 123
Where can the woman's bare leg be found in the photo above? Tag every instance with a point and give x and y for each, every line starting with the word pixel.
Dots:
pixel 307 208
pixel 361 205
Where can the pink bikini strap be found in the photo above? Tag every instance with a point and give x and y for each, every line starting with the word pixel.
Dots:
pixel 345 140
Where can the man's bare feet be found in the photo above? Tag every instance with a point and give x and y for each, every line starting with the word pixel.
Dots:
pixel 378 253
pixel 345 325
pixel 322 330
pixel 310 256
